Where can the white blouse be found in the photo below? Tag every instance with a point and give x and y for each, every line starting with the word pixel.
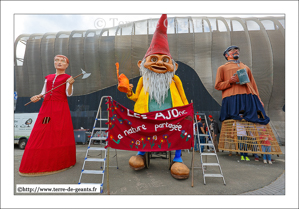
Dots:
pixel 67 86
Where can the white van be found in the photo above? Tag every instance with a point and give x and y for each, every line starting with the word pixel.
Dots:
pixel 24 123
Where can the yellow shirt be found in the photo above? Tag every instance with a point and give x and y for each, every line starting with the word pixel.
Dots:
pixel 140 98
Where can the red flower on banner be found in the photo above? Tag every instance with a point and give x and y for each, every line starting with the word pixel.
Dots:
pixel 137 144
pixel 113 108
pixel 132 142
pixel 161 142
pixel 128 122
pixel 112 138
pixel 183 134
pixel 148 138
pixel 111 125
pixel 142 139
pixel 165 136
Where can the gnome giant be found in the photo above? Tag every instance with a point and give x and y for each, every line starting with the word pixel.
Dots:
pixel 158 89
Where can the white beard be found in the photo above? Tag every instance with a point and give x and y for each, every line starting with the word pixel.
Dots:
pixel 156 84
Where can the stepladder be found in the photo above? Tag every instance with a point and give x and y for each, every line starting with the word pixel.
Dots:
pixel 96 161
pixel 208 156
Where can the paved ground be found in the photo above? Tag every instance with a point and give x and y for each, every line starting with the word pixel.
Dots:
pixel 242 178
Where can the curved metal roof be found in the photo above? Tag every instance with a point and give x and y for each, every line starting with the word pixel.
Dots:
pixel 196 41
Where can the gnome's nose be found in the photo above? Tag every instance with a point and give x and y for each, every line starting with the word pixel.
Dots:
pixel 159 62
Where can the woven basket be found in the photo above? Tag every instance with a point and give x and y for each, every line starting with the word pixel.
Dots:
pixel 252 143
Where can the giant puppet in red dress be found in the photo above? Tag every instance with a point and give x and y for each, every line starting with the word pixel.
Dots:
pixel 51 146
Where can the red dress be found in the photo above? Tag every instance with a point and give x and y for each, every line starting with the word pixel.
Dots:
pixel 51 145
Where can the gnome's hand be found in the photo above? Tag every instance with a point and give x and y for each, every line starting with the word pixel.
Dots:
pixel 130 92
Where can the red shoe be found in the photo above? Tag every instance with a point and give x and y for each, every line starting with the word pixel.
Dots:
pixel 256 159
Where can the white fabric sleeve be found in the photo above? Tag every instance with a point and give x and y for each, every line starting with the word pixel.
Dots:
pixel 67 86
pixel 44 88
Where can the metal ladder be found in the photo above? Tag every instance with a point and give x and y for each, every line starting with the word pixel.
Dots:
pixel 212 153
pixel 98 136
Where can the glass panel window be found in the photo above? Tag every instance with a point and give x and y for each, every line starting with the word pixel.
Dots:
pixel 221 26
pixel 127 29
pixel 282 22
pixel 268 24
pixel 141 27
pixel 197 22
pixel 112 31
pixel 182 25
pixel 213 23
pixel 252 25
pixel 206 27
pixel 152 24
pixel 237 26
pixel 170 27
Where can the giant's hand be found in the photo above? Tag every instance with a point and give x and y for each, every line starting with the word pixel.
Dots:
pixel 70 80
pixel 36 98
pixel 130 92
pixel 233 79
pixel 123 81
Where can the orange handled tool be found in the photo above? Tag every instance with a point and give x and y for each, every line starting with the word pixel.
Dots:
pixel 123 81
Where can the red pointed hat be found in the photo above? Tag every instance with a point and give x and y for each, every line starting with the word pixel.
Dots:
pixel 159 44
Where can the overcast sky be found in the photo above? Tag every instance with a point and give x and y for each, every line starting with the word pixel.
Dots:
pixel 36 23
pixel 53 23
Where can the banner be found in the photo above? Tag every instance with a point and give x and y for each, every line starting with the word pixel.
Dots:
pixel 170 129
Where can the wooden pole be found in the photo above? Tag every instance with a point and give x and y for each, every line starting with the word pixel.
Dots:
pixel 54 88
pixel 192 164
pixel 108 150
